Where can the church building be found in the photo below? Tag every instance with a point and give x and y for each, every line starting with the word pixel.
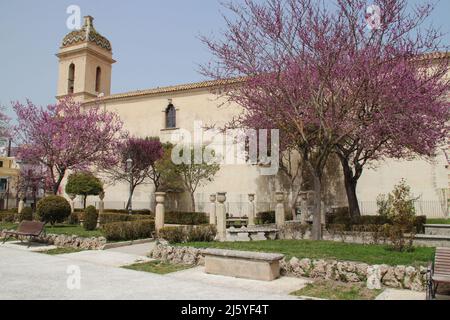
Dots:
pixel 85 72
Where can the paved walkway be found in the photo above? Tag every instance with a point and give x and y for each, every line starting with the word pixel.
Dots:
pixel 30 275
pixel 136 249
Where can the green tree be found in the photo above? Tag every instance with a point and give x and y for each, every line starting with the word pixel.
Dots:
pixel 164 175
pixel 84 184
pixel 195 172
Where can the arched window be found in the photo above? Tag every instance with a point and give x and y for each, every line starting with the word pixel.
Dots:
pixel 71 82
pixel 171 117
pixel 98 76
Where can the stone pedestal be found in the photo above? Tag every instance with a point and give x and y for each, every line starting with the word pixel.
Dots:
pixel 279 209
pixel 212 210
pixel 251 210
pixel 72 202
pixel 221 216
pixel 21 203
pixel 304 208
pixel 101 203
pixel 159 211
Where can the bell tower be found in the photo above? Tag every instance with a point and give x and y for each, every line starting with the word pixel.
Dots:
pixel 85 64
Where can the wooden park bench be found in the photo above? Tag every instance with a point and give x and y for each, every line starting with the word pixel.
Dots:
pixel 438 272
pixel 26 229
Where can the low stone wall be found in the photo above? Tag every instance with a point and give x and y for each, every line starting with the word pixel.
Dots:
pixel 178 255
pixel 405 277
pixel 72 241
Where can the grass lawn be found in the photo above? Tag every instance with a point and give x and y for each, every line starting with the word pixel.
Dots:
pixel 61 229
pixel 337 291
pixel 371 254
pixel 157 267
pixel 438 221
pixel 61 251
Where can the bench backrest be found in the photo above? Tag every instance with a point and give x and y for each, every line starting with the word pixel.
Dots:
pixel 31 227
pixel 442 261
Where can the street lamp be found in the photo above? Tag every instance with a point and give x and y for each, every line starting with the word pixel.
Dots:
pixel 129 167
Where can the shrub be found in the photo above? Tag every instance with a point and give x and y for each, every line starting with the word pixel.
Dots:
pixel 265 217
pixel 185 218
pixel 26 214
pixel 90 218
pixel 120 217
pixel 7 216
pixel 129 230
pixel 53 209
pixel 205 233
pixel 73 219
pixel 172 234
pixel 296 229
pixel 134 212
pixel 419 223
pixel 337 230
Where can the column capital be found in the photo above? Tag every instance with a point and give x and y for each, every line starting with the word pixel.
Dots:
pixel 160 196
pixel 279 196
pixel 221 197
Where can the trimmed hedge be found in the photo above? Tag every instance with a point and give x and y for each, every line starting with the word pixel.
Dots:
pixel 121 217
pixel 134 212
pixel 342 217
pixel 129 230
pixel 7 216
pixel 185 218
pixel 204 233
pixel 90 218
pixel 26 214
pixel 265 217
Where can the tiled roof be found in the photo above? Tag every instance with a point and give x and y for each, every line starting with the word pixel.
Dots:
pixel 216 83
pixel 434 56
pixel 183 87
pixel 87 33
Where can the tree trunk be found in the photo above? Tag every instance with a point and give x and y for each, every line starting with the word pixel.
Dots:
pixel 350 181
pixel 58 183
pixel 130 198
pixel 317 217
pixel 295 196
pixel 192 202
pixel 84 201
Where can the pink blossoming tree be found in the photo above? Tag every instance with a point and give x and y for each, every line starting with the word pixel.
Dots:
pixel 144 153
pixel 332 85
pixel 65 136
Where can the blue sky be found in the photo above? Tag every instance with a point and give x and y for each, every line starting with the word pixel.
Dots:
pixel 155 42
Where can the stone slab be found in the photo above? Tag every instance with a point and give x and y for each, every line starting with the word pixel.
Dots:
pixel 247 255
pixel 242 268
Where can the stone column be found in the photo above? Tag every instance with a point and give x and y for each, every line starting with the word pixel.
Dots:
pixel 221 216
pixel 322 212
pixel 212 210
pixel 101 203
pixel 71 202
pixel 251 210
pixel 279 209
pixel 159 214
pixel 21 203
pixel 304 208
pixel 101 207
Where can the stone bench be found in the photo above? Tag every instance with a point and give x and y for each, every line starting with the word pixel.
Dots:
pixel 251 234
pixel 437 229
pixel 243 264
